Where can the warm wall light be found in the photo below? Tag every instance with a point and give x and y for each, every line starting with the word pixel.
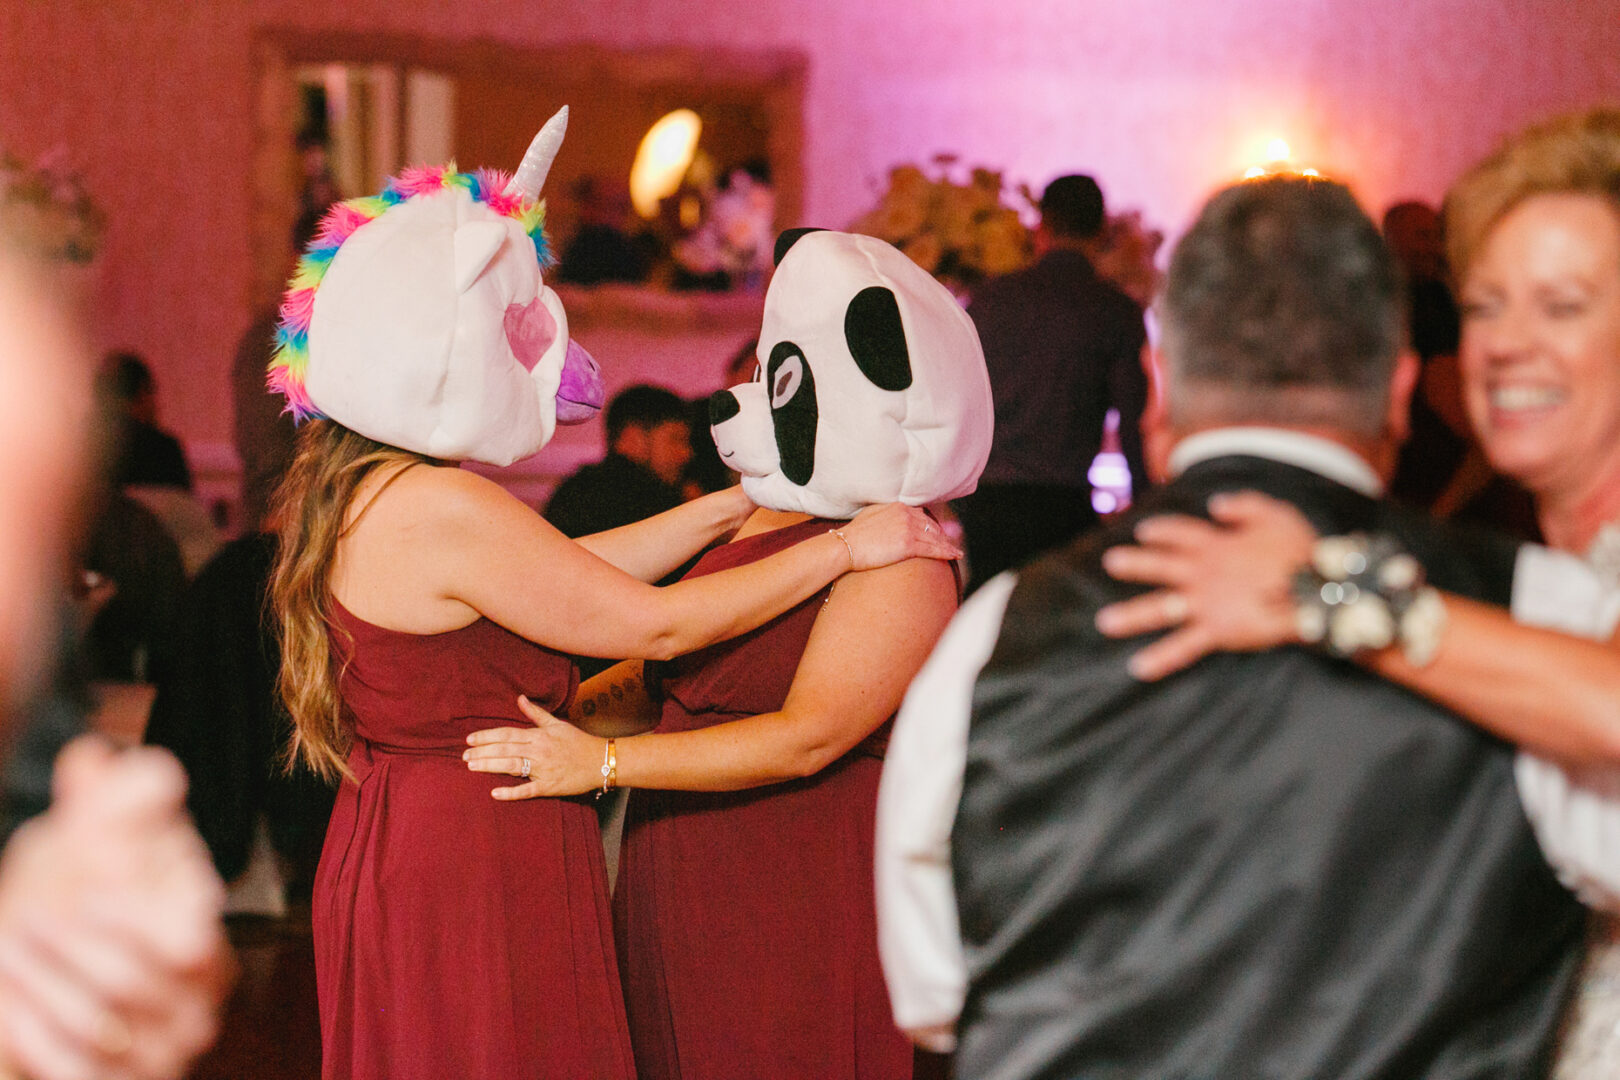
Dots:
pixel 1279 162
pixel 662 160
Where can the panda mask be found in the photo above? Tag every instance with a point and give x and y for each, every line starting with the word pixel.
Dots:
pixel 871 385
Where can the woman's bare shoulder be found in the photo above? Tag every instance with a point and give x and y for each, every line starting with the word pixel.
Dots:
pixel 448 496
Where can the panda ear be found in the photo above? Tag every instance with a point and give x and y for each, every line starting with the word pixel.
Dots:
pixel 788 238
pixel 877 338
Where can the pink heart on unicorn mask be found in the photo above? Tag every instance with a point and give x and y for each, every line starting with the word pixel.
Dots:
pixel 530 330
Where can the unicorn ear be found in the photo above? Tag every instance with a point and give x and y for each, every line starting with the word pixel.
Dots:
pixel 531 175
pixel 476 244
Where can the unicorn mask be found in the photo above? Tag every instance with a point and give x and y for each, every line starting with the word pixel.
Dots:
pixel 871 384
pixel 418 317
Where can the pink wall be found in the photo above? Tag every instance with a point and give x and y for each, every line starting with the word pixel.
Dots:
pixel 1162 99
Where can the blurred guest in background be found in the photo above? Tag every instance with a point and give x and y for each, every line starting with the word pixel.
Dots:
pixel 649 443
pixel 706 472
pixel 601 250
pixel 149 466
pixel 262 430
pixel 218 711
pixel 131 554
pixel 143 452
pixel 1063 347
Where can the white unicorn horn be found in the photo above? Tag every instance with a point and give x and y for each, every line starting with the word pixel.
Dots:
pixel 531 175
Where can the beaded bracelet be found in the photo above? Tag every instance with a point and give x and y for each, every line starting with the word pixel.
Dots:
pixel 1367 592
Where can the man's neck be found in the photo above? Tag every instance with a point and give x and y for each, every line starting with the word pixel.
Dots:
pixel 1046 243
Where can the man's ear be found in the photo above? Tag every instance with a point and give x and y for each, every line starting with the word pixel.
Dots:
pixel 1157 438
pixel 1402 385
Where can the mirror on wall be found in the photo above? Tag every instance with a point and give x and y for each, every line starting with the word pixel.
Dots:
pixel 341 114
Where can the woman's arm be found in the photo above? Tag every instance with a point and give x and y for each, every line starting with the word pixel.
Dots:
pixel 466 548
pixel 614 703
pixel 871 638
pixel 654 547
pixel 1227 587
pixel 1548 692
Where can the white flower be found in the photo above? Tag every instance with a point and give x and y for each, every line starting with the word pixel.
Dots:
pixel 1365 624
pixel 1399 572
pixel 1332 554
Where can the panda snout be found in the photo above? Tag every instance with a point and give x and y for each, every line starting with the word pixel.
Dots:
pixel 722 407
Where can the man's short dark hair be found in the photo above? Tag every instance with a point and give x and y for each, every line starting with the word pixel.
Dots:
pixel 1283 305
pixel 1072 206
pixel 642 406
pixel 125 376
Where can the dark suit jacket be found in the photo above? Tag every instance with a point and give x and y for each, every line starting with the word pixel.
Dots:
pixel 1062 346
pixel 615 491
pixel 1270 865
pixel 218 711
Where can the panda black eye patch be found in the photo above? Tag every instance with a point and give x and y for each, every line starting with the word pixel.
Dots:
pixel 794 413
pixel 877 339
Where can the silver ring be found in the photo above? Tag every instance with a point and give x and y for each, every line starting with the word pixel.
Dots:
pixel 525 772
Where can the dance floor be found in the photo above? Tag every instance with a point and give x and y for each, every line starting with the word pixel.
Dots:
pixel 271 1027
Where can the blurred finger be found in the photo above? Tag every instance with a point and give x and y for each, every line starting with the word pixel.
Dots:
pixel 1178 532
pixel 106 967
pixel 38 1048
pixel 179 929
pixel 1170 654
pixel 80 1016
pixel 1236 507
pixel 1143 614
pixel 169 1036
pixel 518 791
pixel 1149 567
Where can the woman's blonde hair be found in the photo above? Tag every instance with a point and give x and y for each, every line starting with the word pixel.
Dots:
pixel 1578 153
pixel 310 506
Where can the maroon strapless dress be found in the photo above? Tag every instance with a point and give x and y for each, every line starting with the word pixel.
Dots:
pixel 457 936
pixel 746 922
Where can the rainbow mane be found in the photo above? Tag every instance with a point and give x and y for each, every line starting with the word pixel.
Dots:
pixel 291 359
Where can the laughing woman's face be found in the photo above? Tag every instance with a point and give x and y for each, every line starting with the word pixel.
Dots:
pixel 1541 343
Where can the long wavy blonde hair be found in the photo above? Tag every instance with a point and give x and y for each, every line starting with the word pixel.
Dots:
pixel 310 507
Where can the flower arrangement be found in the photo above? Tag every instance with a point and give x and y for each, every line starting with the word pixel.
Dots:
pixel 964 233
pixel 960 233
pixel 735 237
pixel 46 211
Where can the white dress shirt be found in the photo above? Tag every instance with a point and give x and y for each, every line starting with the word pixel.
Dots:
pixel 1575 810
pixel 1576 814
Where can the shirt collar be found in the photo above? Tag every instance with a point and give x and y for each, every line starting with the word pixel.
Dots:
pixel 1321 456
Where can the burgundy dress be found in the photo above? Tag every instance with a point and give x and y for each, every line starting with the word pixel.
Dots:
pixel 457 936
pixel 745 920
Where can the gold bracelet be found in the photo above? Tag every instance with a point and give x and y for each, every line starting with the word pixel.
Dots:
pixel 610 770
pixel 851 551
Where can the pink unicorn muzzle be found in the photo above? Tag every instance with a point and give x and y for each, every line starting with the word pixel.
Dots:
pixel 580 394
